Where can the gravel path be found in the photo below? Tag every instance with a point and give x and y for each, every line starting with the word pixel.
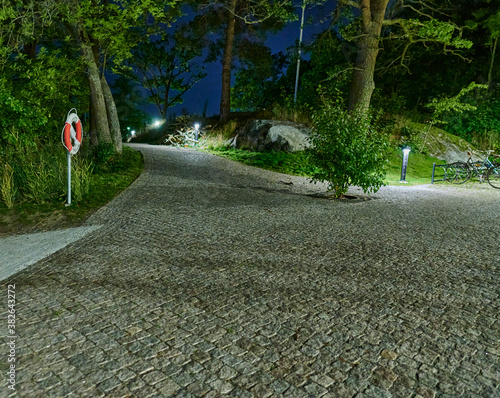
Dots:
pixel 209 277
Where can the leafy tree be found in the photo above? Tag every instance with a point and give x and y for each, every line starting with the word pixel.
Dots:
pixel 105 30
pixel 421 27
pixel 165 68
pixel 329 70
pixel 442 106
pixel 488 18
pixel 224 25
pixel 257 78
pixel 129 97
pixel 346 150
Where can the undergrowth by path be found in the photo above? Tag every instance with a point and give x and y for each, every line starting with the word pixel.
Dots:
pixel 419 169
pixel 108 180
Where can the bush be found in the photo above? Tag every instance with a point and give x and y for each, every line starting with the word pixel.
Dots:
pixel 481 128
pixel 104 152
pixel 7 187
pixel 81 177
pixel 346 150
pixel 37 174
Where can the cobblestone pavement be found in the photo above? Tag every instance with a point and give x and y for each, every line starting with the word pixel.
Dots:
pixel 211 278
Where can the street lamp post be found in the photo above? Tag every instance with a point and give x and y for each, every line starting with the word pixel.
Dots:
pixel 196 128
pixel 406 152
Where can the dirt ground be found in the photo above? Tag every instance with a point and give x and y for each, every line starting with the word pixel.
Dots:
pixel 13 222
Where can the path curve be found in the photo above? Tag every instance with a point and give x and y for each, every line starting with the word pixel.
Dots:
pixel 209 277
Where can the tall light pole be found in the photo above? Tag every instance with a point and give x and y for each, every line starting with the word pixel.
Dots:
pixel 300 52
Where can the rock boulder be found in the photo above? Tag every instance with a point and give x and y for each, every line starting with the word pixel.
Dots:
pixel 271 135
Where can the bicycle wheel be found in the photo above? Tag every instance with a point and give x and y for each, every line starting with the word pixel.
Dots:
pixel 493 177
pixel 460 175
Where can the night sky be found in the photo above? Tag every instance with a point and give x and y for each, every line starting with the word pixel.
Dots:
pixel 209 87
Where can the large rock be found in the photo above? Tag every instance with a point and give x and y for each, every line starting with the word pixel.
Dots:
pixel 271 135
pixel 443 145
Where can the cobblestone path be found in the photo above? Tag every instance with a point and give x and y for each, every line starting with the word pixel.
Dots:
pixel 210 278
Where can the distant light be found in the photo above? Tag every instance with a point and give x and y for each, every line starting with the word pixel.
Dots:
pixel 157 123
pixel 128 128
pixel 132 132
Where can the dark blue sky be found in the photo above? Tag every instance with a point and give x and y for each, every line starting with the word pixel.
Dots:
pixel 209 88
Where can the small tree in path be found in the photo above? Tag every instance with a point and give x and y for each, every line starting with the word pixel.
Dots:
pixel 347 150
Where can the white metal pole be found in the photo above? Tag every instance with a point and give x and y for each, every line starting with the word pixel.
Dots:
pixel 69 179
pixel 300 52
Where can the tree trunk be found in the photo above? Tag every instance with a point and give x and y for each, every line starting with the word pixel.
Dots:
pixel 362 84
pixel 30 50
pixel 227 58
pixel 114 122
pixel 492 62
pixel 97 95
pixel 94 141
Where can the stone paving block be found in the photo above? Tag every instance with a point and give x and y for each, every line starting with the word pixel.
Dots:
pixel 209 278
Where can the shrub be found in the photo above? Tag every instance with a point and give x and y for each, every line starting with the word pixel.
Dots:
pixel 42 181
pixel 8 189
pixel 481 128
pixel 104 152
pixel 346 150
pixel 81 178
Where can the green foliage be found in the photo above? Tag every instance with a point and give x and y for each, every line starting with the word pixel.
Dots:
pixel 36 94
pixel 81 178
pixel 43 177
pixel 419 170
pixel 7 187
pixel 165 68
pixel 434 30
pixel 104 186
pixel 347 150
pixel 128 99
pixel 38 175
pixel 32 173
pixel 328 71
pixel 257 80
pixel 104 153
pixel 453 104
pixel 117 26
pixel 296 163
pixel 481 128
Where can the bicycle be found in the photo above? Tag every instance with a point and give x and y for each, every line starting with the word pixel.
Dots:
pixel 484 170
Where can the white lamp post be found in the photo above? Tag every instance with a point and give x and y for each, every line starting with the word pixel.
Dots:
pixel 196 128
pixel 406 152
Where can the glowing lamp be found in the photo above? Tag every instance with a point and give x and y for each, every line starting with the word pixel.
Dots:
pixel 406 152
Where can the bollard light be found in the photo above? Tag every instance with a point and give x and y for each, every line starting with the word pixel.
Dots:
pixel 406 152
pixel 133 133
pixel 196 128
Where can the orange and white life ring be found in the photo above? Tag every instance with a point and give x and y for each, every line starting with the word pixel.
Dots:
pixel 70 137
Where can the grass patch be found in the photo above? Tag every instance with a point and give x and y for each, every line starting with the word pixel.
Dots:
pixel 108 180
pixel 282 162
pixel 419 170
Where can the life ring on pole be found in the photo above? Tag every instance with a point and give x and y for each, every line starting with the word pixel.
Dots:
pixel 70 137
